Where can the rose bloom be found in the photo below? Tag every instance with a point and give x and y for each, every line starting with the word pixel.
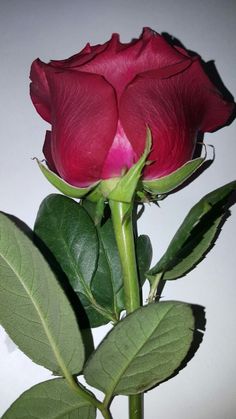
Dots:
pixel 100 101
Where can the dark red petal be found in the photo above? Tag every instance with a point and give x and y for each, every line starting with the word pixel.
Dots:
pixel 217 111
pixel 39 90
pixel 84 123
pixel 75 61
pixel 120 63
pixel 175 109
pixel 47 151
pixel 167 71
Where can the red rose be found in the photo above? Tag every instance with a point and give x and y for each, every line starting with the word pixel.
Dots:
pixel 100 101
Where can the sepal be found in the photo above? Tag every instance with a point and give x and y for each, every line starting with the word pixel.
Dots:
pixel 62 185
pixel 166 184
pixel 123 189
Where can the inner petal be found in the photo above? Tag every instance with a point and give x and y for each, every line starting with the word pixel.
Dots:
pixel 120 157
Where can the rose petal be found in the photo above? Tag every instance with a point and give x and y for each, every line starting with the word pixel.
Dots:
pixel 121 155
pixel 175 109
pixel 120 63
pixel 39 90
pixel 217 111
pixel 47 151
pixel 84 121
pixel 144 82
pixel 75 61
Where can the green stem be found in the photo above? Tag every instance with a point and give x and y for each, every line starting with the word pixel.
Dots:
pixel 82 392
pixel 105 413
pixel 123 227
pixel 136 406
pixel 154 287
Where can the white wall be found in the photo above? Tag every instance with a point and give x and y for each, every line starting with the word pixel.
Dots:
pixel 58 29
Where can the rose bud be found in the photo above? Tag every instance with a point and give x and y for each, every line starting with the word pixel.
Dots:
pixel 100 102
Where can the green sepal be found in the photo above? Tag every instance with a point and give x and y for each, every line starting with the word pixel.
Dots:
pixel 170 182
pixel 195 237
pixel 123 189
pixel 99 211
pixel 95 194
pixel 62 185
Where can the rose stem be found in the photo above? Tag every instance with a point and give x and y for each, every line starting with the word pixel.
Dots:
pixel 123 226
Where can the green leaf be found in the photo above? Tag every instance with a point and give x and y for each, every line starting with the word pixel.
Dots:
pixel 144 256
pixel 50 400
pixel 62 185
pixel 142 350
pixel 69 233
pixel 109 265
pixel 195 236
pixel 170 182
pixel 33 307
pixel 107 283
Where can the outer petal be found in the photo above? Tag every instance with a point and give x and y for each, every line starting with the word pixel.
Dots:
pixel 39 90
pixel 75 61
pixel 47 151
pixel 217 111
pixel 120 63
pixel 175 109
pixel 84 122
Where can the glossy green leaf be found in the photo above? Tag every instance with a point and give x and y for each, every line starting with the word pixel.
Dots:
pixel 144 256
pixel 110 291
pixel 50 400
pixel 142 350
pixel 69 233
pixel 109 263
pixel 170 182
pixel 33 307
pixel 107 283
pixel 62 185
pixel 195 236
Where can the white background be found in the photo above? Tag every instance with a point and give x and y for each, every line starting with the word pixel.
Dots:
pixel 56 29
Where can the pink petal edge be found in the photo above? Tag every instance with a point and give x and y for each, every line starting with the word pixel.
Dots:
pixel 120 157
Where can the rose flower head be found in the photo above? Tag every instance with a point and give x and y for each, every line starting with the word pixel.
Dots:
pixel 100 102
